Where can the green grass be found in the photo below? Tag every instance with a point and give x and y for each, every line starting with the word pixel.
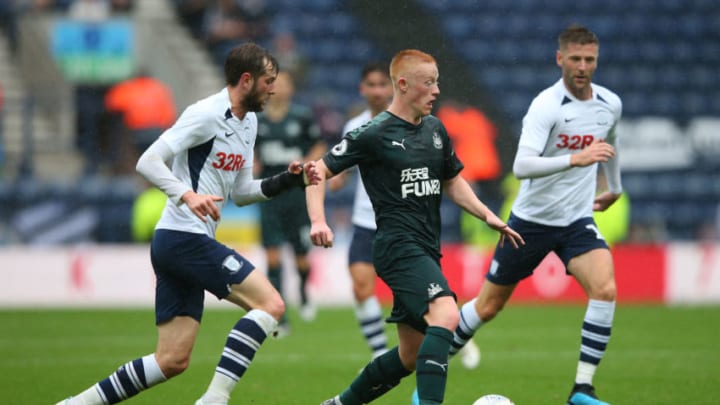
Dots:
pixel 657 355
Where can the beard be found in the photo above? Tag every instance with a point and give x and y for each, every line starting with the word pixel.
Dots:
pixel 252 101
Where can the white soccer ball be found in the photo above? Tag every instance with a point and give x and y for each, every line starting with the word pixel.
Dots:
pixel 493 399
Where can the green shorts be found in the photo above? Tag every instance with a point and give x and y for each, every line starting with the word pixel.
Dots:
pixel 414 281
pixel 284 219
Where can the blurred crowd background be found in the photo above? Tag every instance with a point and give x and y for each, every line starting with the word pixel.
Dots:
pixel 86 85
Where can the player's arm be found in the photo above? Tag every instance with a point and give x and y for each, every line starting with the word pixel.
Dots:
pixel 612 173
pixel 530 164
pixel 246 190
pixel 320 232
pixel 154 166
pixel 338 181
pixel 460 192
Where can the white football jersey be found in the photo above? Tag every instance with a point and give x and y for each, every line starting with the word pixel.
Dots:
pixel 363 214
pixel 559 124
pixel 210 146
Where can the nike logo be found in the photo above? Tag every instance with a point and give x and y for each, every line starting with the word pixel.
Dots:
pixel 229 133
pixel 569 119
pixel 435 363
pixel 400 144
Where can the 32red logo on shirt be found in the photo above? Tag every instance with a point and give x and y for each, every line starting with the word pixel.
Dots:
pixel 229 162
pixel 574 142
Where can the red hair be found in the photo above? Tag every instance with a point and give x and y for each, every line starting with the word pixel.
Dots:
pixel 405 60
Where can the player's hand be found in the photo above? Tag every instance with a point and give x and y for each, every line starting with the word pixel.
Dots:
pixel 311 175
pixel 506 233
pixel 321 234
pixel 202 205
pixel 598 151
pixel 604 200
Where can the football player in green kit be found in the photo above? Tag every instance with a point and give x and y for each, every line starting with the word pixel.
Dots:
pixel 406 162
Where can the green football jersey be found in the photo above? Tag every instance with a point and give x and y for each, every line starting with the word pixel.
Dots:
pixel 279 143
pixel 403 167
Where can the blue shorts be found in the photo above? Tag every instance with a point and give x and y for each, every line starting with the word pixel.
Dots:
pixel 510 265
pixel 361 245
pixel 186 264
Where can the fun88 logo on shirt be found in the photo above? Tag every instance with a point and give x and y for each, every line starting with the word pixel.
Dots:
pixel 417 182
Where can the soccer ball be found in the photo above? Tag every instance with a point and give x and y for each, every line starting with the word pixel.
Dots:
pixel 493 399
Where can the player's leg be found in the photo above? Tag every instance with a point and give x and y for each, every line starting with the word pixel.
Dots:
pixel 265 308
pixel 172 356
pixel 384 372
pixel 273 255
pixel 362 273
pixel 482 309
pixel 508 267
pixel 594 271
pixel 424 301
pixel 272 238
pixel 297 229
pixel 432 358
pixel 308 310
pixel 178 311
pixel 367 307
pixel 426 313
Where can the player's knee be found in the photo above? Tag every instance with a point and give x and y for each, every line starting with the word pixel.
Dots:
pixel 444 314
pixel 489 310
pixel 274 306
pixel 363 290
pixel 452 320
pixel 173 364
pixel 605 292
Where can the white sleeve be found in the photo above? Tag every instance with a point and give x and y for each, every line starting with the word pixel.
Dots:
pixel 529 164
pixel 153 165
pixel 538 122
pixel 612 166
pixel 246 190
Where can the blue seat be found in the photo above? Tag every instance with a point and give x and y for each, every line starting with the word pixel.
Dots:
pixel 340 25
pixel 638 185
pixel 458 26
pixel 477 51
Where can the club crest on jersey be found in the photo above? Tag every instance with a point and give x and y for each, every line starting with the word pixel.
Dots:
pixel 232 264
pixel 603 117
pixel 433 290
pixel 437 141
pixel 339 149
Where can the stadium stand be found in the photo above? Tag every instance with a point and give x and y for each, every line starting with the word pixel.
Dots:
pixel 660 56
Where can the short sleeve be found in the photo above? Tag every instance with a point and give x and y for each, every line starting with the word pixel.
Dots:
pixel 351 150
pixel 452 166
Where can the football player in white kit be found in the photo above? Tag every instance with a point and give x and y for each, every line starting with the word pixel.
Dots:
pixel 203 158
pixel 568 129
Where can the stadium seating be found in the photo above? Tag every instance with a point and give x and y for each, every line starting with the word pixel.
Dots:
pixel 659 56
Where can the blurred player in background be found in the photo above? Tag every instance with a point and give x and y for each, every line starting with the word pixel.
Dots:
pixel 406 160
pixel 568 129
pixel 210 153
pixel 376 89
pixel 286 131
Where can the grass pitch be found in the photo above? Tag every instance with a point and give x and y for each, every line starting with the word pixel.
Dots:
pixel 657 355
